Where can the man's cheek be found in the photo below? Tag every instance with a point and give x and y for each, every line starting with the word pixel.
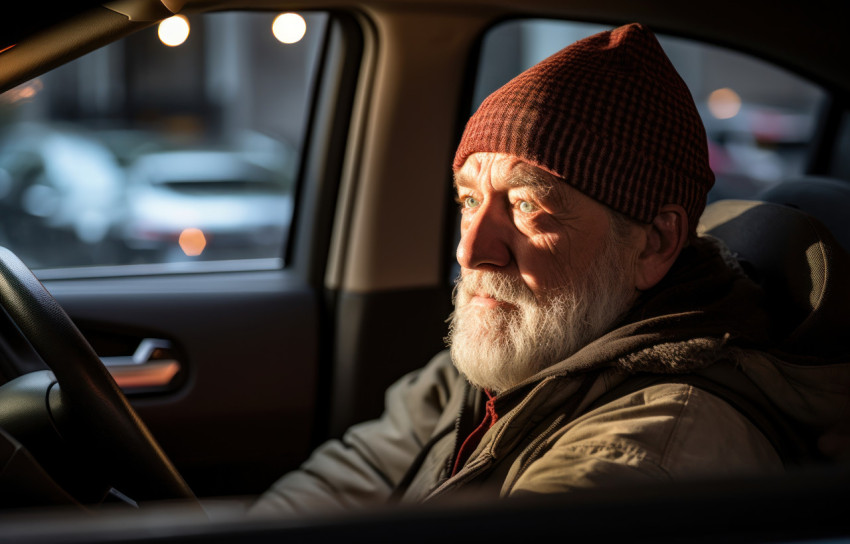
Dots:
pixel 555 277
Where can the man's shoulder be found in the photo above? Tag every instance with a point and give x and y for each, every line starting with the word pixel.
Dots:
pixel 678 426
pixel 664 430
pixel 425 394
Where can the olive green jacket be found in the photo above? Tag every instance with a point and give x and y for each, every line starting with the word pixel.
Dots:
pixel 686 387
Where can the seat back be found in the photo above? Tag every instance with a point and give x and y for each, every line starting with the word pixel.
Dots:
pixel 804 271
pixel 825 198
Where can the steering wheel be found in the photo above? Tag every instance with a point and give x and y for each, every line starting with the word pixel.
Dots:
pixel 87 395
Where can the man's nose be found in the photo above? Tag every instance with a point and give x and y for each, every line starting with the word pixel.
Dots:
pixel 483 239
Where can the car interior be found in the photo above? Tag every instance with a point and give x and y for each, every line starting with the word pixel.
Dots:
pixel 194 371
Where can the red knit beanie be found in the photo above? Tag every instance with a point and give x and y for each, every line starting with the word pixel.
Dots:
pixel 610 116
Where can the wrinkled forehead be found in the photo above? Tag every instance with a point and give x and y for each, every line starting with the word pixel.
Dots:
pixel 503 169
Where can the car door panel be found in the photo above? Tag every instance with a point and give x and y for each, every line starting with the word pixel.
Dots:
pixel 247 345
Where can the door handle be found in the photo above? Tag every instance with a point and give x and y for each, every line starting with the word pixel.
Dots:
pixel 152 367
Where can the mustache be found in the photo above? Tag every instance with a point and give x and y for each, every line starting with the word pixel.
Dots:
pixel 500 287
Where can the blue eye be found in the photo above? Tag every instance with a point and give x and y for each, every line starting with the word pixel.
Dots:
pixel 526 206
pixel 470 202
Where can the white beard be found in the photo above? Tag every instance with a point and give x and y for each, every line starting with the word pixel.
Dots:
pixel 497 348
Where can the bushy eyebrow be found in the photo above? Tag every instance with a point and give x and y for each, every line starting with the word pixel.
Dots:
pixel 539 181
pixel 462 180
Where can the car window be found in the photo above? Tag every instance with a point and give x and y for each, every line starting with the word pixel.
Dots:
pixel 177 148
pixel 760 120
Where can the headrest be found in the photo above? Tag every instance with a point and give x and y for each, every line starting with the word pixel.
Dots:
pixel 802 268
pixel 825 198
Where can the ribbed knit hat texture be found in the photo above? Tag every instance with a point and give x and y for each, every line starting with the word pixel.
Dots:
pixel 608 114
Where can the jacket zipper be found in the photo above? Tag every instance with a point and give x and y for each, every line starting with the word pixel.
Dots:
pixel 536 448
pixel 463 407
pixel 479 465
pixel 484 461
pixel 539 443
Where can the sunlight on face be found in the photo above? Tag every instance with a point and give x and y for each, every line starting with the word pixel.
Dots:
pixel 524 222
pixel 542 273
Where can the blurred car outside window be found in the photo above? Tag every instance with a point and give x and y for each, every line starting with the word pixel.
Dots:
pixel 760 120
pixel 177 148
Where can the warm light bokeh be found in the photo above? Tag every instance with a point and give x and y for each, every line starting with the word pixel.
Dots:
pixel 724 103
pixel 192 241
pixel 22 92
pixel 289 27
pixel 174 30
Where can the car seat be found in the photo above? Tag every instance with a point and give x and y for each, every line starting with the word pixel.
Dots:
pixel 798 262
pixel 825 198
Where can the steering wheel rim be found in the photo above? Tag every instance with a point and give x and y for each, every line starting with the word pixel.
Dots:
pixel 88 391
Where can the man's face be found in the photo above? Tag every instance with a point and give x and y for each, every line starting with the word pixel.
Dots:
pixel 541 273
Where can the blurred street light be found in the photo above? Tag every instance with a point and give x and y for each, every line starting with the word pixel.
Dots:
pixel 192 241
pixel 22 93
pixel 174 30
pixel 289 28
pixel 724 103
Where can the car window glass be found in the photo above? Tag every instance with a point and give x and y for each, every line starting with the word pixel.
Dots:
pixel 760 120
pixel 176 148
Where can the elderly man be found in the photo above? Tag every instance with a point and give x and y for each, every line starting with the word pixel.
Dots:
pixel 595 338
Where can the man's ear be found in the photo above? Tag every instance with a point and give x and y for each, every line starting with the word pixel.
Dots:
pixel 665 238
